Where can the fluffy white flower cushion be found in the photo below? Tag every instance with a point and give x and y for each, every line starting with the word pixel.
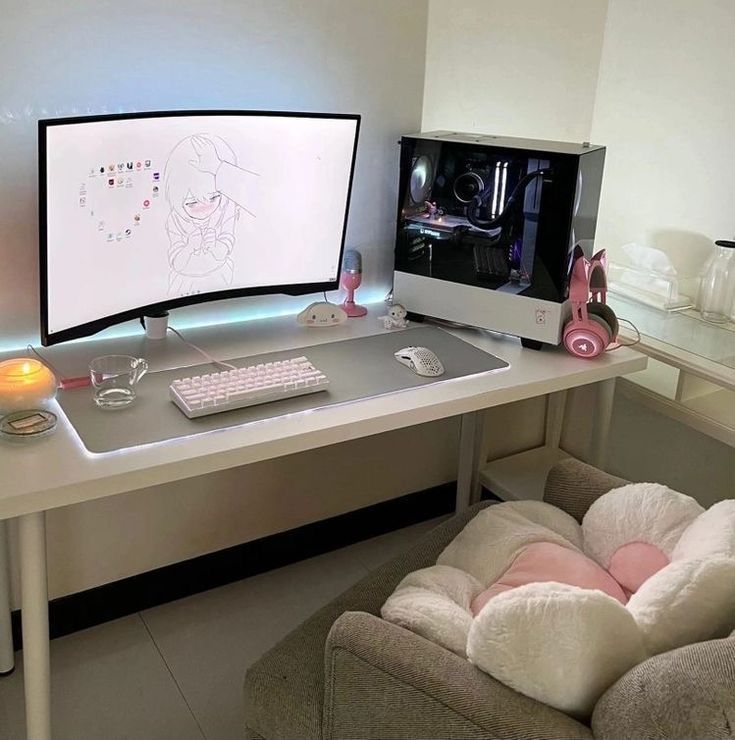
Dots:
pixel 565 644
pixel 527 636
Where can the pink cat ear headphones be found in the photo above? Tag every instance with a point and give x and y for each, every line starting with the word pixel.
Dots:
pixel 593 326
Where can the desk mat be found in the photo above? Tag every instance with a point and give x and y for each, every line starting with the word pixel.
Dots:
pixel 356 368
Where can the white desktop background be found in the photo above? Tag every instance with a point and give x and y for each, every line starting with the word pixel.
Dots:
pixel 112 231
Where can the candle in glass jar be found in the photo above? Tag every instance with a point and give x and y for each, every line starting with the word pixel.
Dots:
pixel 25 383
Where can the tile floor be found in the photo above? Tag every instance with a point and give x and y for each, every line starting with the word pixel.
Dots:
pixel 175 672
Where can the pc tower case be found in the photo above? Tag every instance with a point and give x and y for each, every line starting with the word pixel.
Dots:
pixel 487 226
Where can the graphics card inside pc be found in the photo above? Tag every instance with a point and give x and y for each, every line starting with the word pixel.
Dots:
pixel 487 226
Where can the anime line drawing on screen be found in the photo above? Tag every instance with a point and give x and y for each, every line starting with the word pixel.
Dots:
pixel 206 190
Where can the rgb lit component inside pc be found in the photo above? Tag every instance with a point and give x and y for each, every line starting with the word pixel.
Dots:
pixel 140 213
pixel 488 226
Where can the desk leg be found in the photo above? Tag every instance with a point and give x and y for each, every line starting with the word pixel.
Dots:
pixel 556 404
pixel 34 613
pixel 470 447
pixel 7 661
pixel 603 415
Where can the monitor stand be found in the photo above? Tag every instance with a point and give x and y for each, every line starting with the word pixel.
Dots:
pixel 156 325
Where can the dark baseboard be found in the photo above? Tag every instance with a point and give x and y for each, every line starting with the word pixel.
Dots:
pixel 130 595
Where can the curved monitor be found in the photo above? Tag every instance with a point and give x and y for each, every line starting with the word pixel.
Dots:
pixel 144 212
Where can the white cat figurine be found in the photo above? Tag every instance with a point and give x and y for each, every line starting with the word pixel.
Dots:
pixel 396 318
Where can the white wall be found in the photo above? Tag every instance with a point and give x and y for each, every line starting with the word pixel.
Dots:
pixel 92 56
pixel 523 68
pixel 665 109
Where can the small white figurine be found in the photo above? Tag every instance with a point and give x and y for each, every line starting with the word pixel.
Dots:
pixel 396 318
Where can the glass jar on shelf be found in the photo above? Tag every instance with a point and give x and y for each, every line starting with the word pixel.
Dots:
pixel 718 284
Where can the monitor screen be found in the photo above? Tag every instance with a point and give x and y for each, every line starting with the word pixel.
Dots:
pixel 141 213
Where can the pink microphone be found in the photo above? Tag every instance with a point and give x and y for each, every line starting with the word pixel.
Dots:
pixel 351 280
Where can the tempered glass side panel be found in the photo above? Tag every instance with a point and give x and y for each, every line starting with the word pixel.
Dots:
pixel 487 216
pixel 587 197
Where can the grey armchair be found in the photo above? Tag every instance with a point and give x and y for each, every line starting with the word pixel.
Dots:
pixel 346 673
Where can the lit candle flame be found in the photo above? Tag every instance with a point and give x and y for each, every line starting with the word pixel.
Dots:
pixel 25 383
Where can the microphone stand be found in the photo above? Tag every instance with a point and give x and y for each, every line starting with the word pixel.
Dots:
pixel 351 281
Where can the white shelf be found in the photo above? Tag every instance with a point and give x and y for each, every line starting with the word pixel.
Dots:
pixel 521 476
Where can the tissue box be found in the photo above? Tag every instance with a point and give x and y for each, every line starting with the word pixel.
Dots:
pixel 666 292
pixel 647 275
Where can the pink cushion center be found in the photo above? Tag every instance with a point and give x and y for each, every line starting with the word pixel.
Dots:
pixel 546 561
pixel 634 563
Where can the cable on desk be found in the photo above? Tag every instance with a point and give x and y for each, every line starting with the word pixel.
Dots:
pixel 628 344
pixel 204 354
pixel 46 362
pixel 64 383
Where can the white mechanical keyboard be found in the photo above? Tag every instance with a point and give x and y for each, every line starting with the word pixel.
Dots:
pixel 201 395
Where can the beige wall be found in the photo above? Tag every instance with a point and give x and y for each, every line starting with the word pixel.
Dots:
pixel 665 108
pixel 651 81
pixel 524 68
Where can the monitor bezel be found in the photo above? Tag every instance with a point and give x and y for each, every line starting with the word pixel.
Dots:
pixel 93 327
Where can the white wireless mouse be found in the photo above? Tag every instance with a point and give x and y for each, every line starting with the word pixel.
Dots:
pixel 421 360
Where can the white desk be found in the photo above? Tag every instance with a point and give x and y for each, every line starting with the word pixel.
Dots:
pixel 58 471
